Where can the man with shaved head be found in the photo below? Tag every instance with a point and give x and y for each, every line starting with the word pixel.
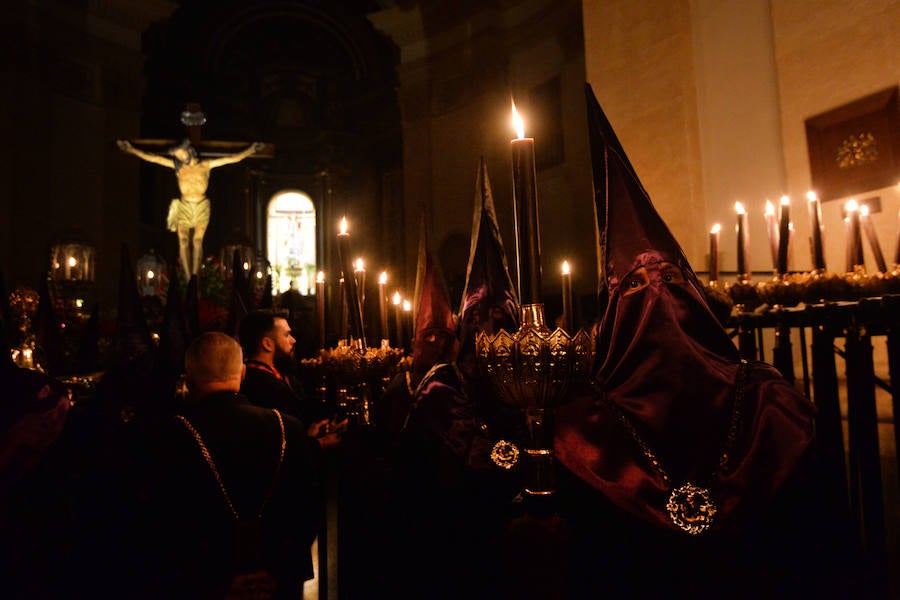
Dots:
pixel 236 485
pixel 213 363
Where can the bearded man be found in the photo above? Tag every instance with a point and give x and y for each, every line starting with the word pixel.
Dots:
pixel 269 346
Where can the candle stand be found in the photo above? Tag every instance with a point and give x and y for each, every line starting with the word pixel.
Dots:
pixel 531 370
pixel 349 379
pixel 830 333
pixel 23 305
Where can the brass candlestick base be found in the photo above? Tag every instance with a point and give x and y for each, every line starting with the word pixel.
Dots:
pixel 784 289
pixel 743 293
pixel 531 370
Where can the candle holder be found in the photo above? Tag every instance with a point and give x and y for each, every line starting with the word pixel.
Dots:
pixel 892 281
pixel 784 289
pixel 355 375
pixel 720 302
pixel 531 370
pixel 821 286
pixel 23 303
pixel 744 294
pixel 862 284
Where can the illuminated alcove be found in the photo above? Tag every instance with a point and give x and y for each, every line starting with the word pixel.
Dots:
pixel 291 241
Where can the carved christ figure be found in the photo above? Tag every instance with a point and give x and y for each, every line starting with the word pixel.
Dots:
pixel 191 211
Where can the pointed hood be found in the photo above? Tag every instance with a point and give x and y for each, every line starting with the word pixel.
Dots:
pixel 239 306
pixel 665 363
pixel 6 325
pixel 174 335
pixel 265 301
pixel 174 338
pixel 132 337
pixel 192 306
pixel 47 334
pixel 241 280
pixel 87 360
pixel 629 226
pixel 489 301
pixel 435 330
pixel 5 310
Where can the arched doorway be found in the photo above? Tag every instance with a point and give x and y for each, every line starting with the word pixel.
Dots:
pixel 291 241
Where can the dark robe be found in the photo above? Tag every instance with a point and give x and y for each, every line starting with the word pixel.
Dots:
pixel 780 532
pixel 456 502
pixel 794 547
pixel 190 526
pixel 268 391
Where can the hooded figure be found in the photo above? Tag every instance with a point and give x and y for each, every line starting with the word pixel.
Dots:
pixel 678 432
pixel 489 304
pixel 174 339
pixel 240 305
pixel 47 334
pixel 489 300
pixel 452 495
pixel 192 306
pixel 434 342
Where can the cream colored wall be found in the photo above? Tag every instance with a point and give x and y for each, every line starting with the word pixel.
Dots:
pixel 829 53
pixel 709 98
pixel 639 61
pixel 740 124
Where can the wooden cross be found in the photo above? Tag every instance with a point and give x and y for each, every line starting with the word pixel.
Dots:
pixel 189 214
pixel 192 118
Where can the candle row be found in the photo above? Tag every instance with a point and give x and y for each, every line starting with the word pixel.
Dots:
pixel 353 298
pixel 780 230
pixel 401 305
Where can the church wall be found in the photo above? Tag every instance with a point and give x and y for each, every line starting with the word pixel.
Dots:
pixel 709 99
pixel 740 123
pixel 639 61
pixel 74 87
pixel 829 54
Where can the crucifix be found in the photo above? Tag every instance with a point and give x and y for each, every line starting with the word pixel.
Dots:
pixel 189 215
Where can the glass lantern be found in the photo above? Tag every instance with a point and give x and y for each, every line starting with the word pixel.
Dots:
pixel 150 271
pixel 72 273
pixel 238 242
pixel 72 261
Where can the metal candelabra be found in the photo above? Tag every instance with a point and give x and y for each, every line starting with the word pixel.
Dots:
pixel 531 369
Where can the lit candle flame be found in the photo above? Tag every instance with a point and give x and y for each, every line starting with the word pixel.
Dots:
pixel 382 279
pixel 259 274
pixel 407 306
pixel 785 200
pixel 72 261
pixel 246 266
pixel 811 196
pixel 518 123
pixel 396 299
pixel 770 209
pixel 716 228
pixel 565 267
pixel 739 208
pixel 358 266
pixel 851 206
pixel 343 229
pixel 320 277
pixel 150 274
pixel 864 210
